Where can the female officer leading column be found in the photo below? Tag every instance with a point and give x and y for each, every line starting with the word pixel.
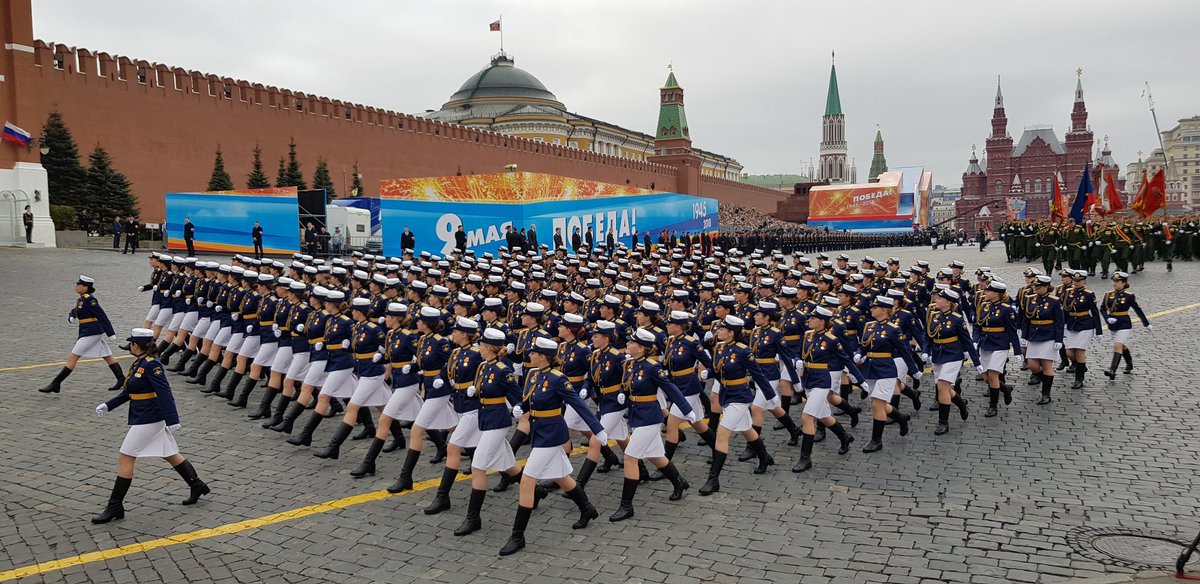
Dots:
pixel 152 423
pixel 93 327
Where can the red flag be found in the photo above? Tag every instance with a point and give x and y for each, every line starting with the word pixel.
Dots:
pixel 1112 196
pixel 494 27
pixel 1155 197
pixel 1058 207
pixel 1140 198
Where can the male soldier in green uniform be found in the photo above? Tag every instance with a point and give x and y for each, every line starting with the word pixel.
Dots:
pixel 1124 246
pixel 1077 247
pixel 1104 251
pixel 1048 242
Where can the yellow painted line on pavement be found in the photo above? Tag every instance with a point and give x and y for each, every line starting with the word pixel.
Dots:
pixel 1173 310
pixel 59 363
pixel 227 529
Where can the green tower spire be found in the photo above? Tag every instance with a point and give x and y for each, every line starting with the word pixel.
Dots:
pixel 833 102
pixel 672 121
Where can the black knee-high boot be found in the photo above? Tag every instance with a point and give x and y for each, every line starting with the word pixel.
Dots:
pixel 587 511
pixel 280 409
pixel 242 397
pixel 1128 360
pixel 115 508
pixel 289 418
pixel 516 541
pixel 264 405
pixel 843 437
pixel 876 443
pixel 943 424
pixel 785 402
pixel 1063 360
pixel 118 374
pixel 194 366
pixel 844 392
pixel 585 471
pixel 625 508
pixel 748 453
pixel 517 440
pixel 201 375
pixel 960 402
pixel 441 500
pixel 610 459
pixel 368 424
pixel 709 437
pixel 913 395
pixel 472 523
pixel 669 450
pixel 405 482
pixel 507 480
pixel 305 436
pixel 184 361
pixel 1111 372
pixel 196 487
pixel 713 484
pixel 993 401
pixel 1080 370
pixel 792 428
pixel 56 385
pixel 900 419
pixel 764 459
pixel 705 402
pixel 1047 383
pixel 164 356
pixel 438 437
pixel 335 442
pixel 398 441
pixel 805 461
pixel 714 418
pixel 367 466
pixel 678 484
pixel 234 381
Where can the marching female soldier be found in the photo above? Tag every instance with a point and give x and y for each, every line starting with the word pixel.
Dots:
pixel 642 379
pixel 884 357
pixel 769 350
pixel 309 367
pixel 496 387
pixel 1116 307
pixel 152 424
pixel 338 377
pixel 291 294
pixel 947 342
pixel 682 357
pixel 460 370
pixel 437 413
pixel 824 360
pixel 1042 328
pixel 735 369
pixel 1082 320
pixel 405 401
pixel 605 371
pixel 573 358
pixel 243 340
pixel 93 328
pixel 368 391
pixel 546 393
pixel 996 324
pixel 266 331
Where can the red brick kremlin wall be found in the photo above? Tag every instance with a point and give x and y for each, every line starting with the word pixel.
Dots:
pixel 162 125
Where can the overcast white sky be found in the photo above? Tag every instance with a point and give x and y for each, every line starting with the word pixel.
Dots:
pixel 755 73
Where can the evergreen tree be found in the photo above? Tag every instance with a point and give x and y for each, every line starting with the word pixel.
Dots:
pixel 356 189
pixel 295 178
pixel 220 180
pixel 322 180
pixel 257 179
pixel 281 179
pixel 66 176
pixel 109 193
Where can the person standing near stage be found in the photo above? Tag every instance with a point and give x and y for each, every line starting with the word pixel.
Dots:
pixel 408 241
pixel 189 235
pixel 153 422
pixel 256 235
pixel 27 219
pixel 531 237
pixel 93 328
pixel 131 235
pixel 116 233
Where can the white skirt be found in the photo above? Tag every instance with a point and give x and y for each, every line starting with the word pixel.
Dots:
pixel 645 442
pixel 266 354
pixel 692 400
pixel 152 314
pixel 298 368
pixel 201 329
pixel 492 451
pixel 315 376
pixel 615 425
pixel 783 370
pixel 817 405
pixel 548 462
pixel 994 360
pixel 371 392
pixel 1043 350
pixel 437 414
pixel 163 318
pixel 149 441
pixel 339 384
pixel 218 334
pixel 882 388
pixel 91 347
pixel 404 405
pixel 574 422
pixel 947 371
pixel 283 359
pixel 189 321
pixel 176 320
pixel 736 417
pixel 235 340
pixel 1123 336
pixel 901 368
pixel 466 433
pixel 1078 339
pixel 761 401
pixel 250 346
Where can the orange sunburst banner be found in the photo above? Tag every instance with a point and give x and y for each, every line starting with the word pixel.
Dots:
pixel 857 202
pixel 507 187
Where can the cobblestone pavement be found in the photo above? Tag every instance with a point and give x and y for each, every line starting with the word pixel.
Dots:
pixel 993 501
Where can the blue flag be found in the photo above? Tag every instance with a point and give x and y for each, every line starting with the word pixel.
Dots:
pixel 1081 196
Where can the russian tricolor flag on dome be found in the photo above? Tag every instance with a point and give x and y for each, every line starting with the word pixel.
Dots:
pixel 15 134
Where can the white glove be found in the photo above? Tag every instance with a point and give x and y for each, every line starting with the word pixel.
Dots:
pixel 621 398
pixel 471 391
pixel 187 301
pixel 101 409
pixel 381 319
pixel 925 357
pixel 249 328
pixel 71 319
pixel 438 383
pixel 275 327
pixel 602 437
pixel 217 308
pixel 917 375
pixel 981 369
pixel 320 346
pixel 693 417
pixel 141 288
pixel 406 369
pixel 278 333
pixel 859 359
pixel 703 374
pixel 511 348
pixel 346 344
pixel 1057 346
pixel 708 336
pixel 174 428
pixel 583 393
pixel 628 356
pixel 112 338
pixel 517 411
pixel 1024 343
pixel 1111 320
pixel 300 328
pixel 1150 327
pixel 377 357
pixel 154 288
pixel 1097 242
pixel 178 293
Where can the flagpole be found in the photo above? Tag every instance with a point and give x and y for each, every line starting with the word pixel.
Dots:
pixel 1161 146
pixel 502 44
